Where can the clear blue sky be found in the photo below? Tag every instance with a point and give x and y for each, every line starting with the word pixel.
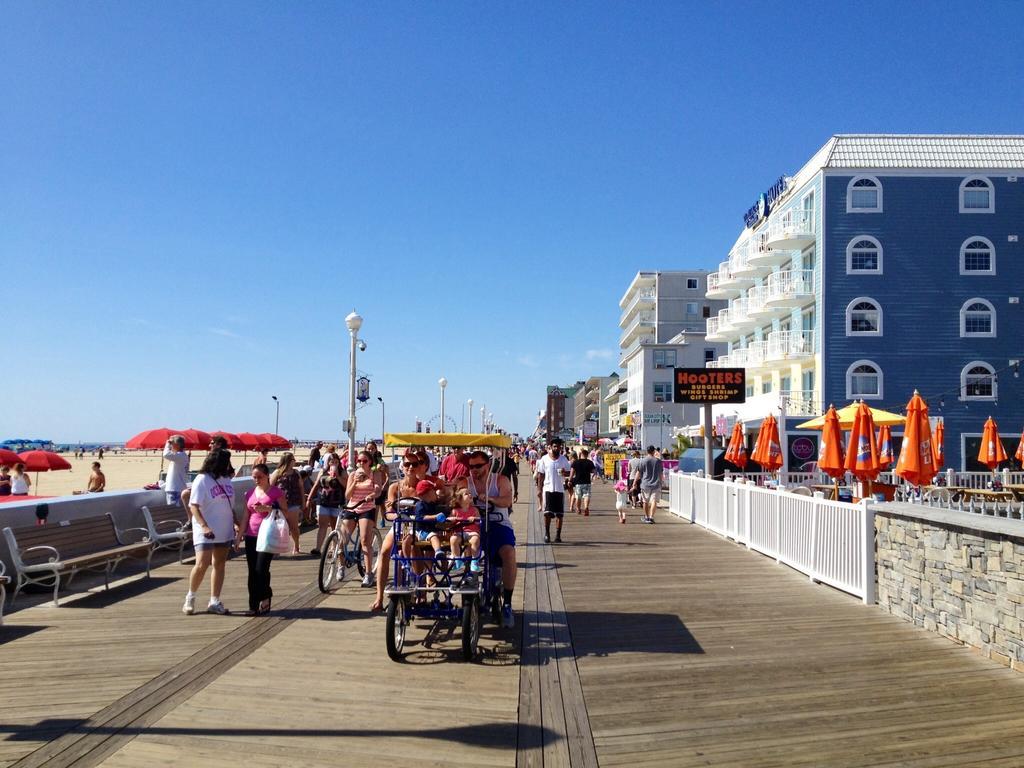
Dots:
pixel 194 195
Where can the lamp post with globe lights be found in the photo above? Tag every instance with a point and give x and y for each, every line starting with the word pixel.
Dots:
pixel 442 383
pixel 353 322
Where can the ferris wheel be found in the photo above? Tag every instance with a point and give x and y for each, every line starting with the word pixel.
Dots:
pixel 450 425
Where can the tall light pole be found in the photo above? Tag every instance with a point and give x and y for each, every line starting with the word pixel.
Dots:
pixel 483 418
pixel 382 433
pixel 353 322
pixel 469 407
pixel 277 416
pixel 490 423
pixel 661 429
pixel 442 383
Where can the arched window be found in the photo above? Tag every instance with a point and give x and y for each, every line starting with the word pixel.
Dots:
pixel 864 256
pixel 864 195
pixel 977 195
pixel 977 257
pixel 978 381
pixel 977 318
pixel 863 317
pixel 864 381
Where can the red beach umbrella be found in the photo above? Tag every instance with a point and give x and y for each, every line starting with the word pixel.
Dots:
pixel 251 442
pixel 43 461
pixel 917 462
pixel 885 453
pixel 235 442
pixel 196 439
pixel 938 454
pixel 992 451
pixel 830 451
pixel 9 458
pixel 862 451
pixel 151 439
pixel 275 441
pixel 736 453
pixel 768 452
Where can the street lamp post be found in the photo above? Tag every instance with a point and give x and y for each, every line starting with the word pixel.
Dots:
pixel 469 407
pixel 483 418
pixel 353 322
pixel 442 382
pixel 661 429
pixel 382 433
pixel 277 416
pixel 490 423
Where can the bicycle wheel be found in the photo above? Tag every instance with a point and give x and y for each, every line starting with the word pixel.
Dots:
pixel 470 627
pixel 374 547
pixel 397 621
pixel 332 563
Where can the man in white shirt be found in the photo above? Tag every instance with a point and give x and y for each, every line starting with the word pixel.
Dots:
pixel 551 470
pixel 177 469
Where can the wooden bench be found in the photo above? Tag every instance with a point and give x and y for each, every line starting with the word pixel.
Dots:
pixel 4 581
pixel 43 554
pixel 168 526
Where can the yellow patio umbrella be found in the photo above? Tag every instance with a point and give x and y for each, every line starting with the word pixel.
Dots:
pixel 848 414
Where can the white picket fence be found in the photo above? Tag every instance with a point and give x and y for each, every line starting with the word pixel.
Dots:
pixel 830 541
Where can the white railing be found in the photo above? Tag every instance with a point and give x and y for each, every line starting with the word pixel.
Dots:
pixel 723 320
pixel 711 329
pixel 830 541
pixel 723 361
pixel 793 223
pixel 757 352
pixel 790 284
pixel 796 402
pixel 713 279
pixel 738 260
pixel 955 479
pixel 790 345
pixel 645 294
pixel 628 352
pixel 738 310
pixel 755 299
pixel 642 319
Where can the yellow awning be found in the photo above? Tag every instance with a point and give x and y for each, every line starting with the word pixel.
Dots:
pixel 846 415
pixel 446 439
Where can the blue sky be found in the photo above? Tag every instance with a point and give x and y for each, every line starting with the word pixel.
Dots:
pixel 194 195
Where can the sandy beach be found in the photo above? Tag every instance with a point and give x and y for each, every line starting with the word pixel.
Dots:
pixel 127 471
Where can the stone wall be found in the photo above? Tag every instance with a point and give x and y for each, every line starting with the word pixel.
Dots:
pixel 955 573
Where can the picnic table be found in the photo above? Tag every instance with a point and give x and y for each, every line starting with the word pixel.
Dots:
pixel 981 494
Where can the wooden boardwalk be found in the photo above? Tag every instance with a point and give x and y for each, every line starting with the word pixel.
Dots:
pixel 646 645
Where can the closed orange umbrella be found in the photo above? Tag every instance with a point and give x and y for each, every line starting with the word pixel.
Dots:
pixel 938 452
pixel 886 456
pixel 862 451
pixel 768 452
pixel 1019 455
pixel 917 462
pixel 992 451
pixel 830 450
pixel 736 453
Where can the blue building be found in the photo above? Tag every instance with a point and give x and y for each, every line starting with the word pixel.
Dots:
pixel 888 263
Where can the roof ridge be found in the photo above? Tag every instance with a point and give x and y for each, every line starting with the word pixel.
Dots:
pixel 928 136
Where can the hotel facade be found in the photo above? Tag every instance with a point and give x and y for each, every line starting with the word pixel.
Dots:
pixel 888 263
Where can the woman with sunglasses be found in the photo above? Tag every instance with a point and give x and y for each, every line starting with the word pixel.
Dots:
pixel 414 468
pixel 361 510
pixel 286 477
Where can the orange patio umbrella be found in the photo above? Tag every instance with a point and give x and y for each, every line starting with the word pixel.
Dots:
pixel 862 451
pixel 736 453
pixel 992 451
pixel 886 456
pixel 917 462
pixel 768 452
pixel 1019 455
pixel 938 452
pixel 830 449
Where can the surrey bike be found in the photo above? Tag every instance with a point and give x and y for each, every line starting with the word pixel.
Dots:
pixel 343 550
pixel 426 587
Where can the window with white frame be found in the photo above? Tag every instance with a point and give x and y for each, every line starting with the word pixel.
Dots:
pixel 977 257
pixel 977 195
pixel 692 308
pixel 692 284
pixel 977 318
pixel 864 195
pixel 978 381
pixel 864 381
pixel 663 391
pixel 864 256
pixel 664 358
pixel 863 317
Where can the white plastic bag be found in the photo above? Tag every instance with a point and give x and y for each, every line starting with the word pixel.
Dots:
pixel 274 535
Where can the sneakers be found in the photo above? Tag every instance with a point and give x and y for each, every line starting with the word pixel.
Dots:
pixel 508 619
pixel 646 519
pixel 547 539
pixel 586 513
pixel 315 552
pixel 558 539
pixel 368 581
pixel 474 566
pixel 190 605
pixel 217 608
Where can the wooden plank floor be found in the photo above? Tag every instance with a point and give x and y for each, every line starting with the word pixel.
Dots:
pixel 646 645
pixel 695 651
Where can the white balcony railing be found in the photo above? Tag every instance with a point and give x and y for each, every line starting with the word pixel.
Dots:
pixel 790 287
pixel 793 229
pixel 644 295
pixel 763 256
pixel 723 361
pixel 757 351
pixel 629 351
pixel 755 300
pixel 739 316
pixel 740 264
pixel 789 345
pixel 796 402
pixel 711 331
pixel 642 321
pixel 724 321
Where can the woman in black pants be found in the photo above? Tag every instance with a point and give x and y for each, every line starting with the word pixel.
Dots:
pixel 259 503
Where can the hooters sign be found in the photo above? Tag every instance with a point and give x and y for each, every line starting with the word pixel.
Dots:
pixel 710 385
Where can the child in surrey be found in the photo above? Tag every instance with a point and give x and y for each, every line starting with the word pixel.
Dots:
pixel 621 500
pixel 467 530
pixel 428 518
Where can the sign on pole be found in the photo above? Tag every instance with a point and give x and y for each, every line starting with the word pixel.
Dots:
pixel 710 385
pixel 362 389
